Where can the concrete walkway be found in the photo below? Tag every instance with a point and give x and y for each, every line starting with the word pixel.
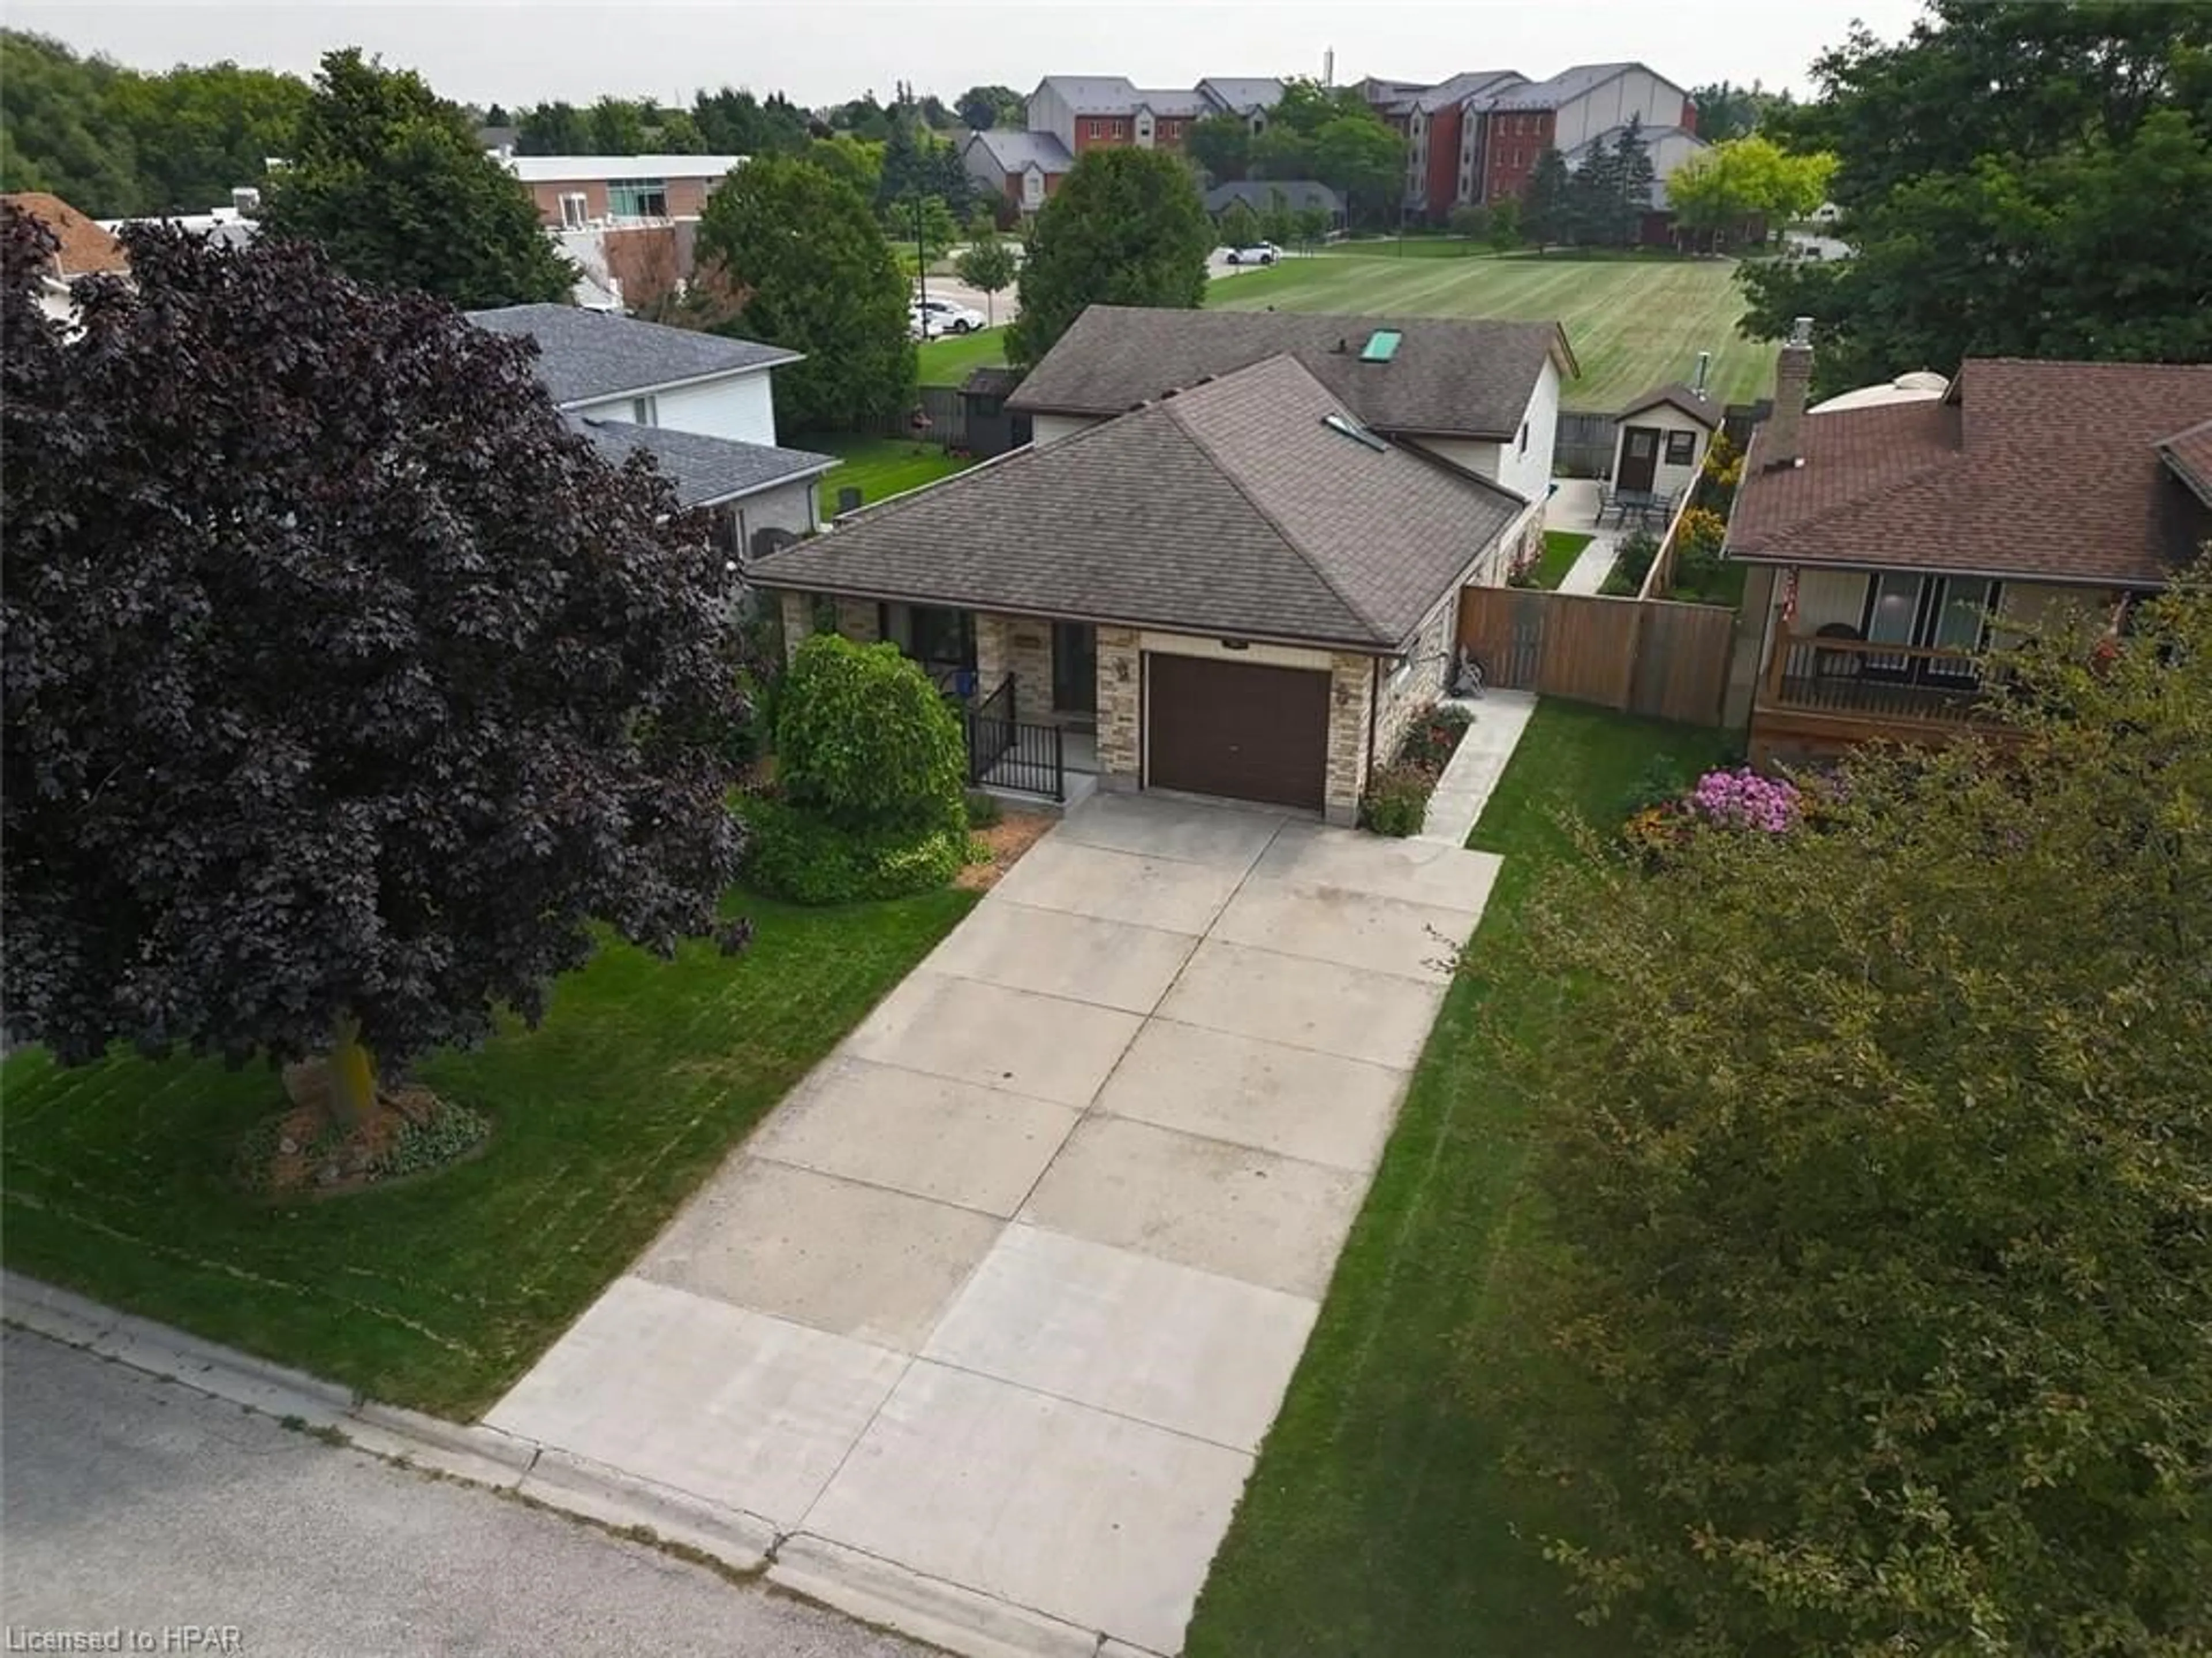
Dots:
pixel 987 1322
pixel 1574 507
pixel 1498 718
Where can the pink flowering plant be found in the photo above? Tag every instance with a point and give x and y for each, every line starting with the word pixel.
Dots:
pixel 1742 800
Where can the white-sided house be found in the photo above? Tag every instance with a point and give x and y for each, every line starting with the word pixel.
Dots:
pixel 1662 439
pixel 1484 396
pixel 701 405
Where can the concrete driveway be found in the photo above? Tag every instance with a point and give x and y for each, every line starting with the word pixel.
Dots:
pixel 988 1320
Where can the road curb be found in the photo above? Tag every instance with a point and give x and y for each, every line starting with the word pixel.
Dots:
pixel 739 1540
pixel 890 1596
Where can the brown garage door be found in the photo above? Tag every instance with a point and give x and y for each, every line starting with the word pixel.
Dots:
pixel 1237 729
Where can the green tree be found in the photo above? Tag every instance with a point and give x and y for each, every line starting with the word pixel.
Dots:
pixel 1278 222
pixel 1504 231
pixel 1981 160
pixel 982 108
pixel 1725 110
pixel 198 133
pixel 1125 228
pixel 347 687
pixel 803 249
pixel 678 133
pixel 1636 177
pixel 923 217
pixel 1221 144
pixel 1364 159
pixel 389 178
pixel 987 265
pixel 554 129
pixel 863 118
pixel 1469 221
pixel 735 123
pixel 54 131
pixel 1546 205
pixel 1240 225
pixel 1314 226
pixel 1869 1317
pixel 618 126
pixel 855 162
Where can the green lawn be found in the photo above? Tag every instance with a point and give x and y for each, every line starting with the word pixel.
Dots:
pixel 1633 323
pixel 437 1293
pixel 946 361
pixel 877 467
pixel 1413 248
pixel 1561 549
pixel 1377 1523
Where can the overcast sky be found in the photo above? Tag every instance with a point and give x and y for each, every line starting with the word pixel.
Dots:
pixel 822 51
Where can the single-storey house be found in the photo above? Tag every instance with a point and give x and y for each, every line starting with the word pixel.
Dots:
pixel 83 248
pixel 701 405
pixel 1299 194
pixel 1889 545
pixel 1240 589
pixel 1482 395
pixel 1660 439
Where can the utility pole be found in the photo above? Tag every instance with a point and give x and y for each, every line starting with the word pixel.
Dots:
pixel 921 267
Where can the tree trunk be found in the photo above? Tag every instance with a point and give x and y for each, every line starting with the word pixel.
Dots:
pixel 352 1076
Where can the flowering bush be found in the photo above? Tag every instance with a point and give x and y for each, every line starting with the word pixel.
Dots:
pixel 1743 799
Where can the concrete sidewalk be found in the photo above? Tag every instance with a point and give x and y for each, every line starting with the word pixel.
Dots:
pixel 987 1322
pixel 1574 507
pixel 1496 720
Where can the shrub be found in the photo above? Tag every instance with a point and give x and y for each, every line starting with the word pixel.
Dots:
pixel 1662 783
pixel 983 810
pixel 1397 800
pixel 798 854
pixel 1432 737
pixel 864 742
pixel 1632 560
pixel 1743 799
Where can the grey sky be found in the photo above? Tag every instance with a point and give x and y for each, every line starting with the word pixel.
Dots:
pixel 824 50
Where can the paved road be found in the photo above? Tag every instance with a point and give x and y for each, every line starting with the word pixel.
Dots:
pixel 140 1504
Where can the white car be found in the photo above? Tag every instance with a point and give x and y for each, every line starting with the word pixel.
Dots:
pixel 1258 253
pixel 952 319
pixel 922 327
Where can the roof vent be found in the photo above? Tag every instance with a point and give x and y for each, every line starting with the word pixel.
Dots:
pixel 1343 347
pixel 1345 426
pixel 1382 345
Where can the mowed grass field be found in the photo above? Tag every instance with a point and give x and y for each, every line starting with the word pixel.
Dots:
pixel 1634 324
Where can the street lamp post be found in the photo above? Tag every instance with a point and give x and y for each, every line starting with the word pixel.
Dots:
pixel 921 267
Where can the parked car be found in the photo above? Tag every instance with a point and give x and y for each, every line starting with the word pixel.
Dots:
pixel 952 318
pixel 1258 253
pixel 920 327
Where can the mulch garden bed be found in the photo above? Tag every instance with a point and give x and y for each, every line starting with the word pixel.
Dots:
pixel 1014 833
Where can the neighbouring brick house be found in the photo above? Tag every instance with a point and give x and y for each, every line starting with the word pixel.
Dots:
pixel 586 193
pixel 1024 168
pixel 1476 138
pixel 1891 542
pixel 1098 112
pixel 1238 590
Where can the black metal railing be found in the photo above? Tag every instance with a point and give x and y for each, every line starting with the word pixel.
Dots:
pixel 1004 753
pixel 1880 682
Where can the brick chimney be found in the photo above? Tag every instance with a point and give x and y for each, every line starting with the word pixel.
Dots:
pixel 1793 375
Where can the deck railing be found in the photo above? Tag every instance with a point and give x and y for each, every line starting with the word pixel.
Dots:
pixel 1004 753
pixel 1859 677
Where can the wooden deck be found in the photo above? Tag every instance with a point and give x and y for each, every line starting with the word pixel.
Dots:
pixel 1821 695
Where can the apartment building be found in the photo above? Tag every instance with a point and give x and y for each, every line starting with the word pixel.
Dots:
pixel 581 192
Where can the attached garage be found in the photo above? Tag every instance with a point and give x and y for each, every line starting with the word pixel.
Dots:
pixel 1244 731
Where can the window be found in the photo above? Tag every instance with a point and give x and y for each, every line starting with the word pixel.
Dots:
pixel 645 411
pixel 638 198
pixel 575 210
pixel 1682 448
pixel 1097 129
pixel 941 640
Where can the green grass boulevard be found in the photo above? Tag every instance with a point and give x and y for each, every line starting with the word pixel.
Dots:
pixel 437 1293
pixel 1378 1521
pixel 877 467
pixel 1561 549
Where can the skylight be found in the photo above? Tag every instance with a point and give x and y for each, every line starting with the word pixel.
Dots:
pixel 1382 345
pixel 1345 426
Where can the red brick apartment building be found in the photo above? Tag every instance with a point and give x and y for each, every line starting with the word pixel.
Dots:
pixel 582 193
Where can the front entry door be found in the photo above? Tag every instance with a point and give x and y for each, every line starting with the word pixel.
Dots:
pixel 1639 459
pixel 1075 669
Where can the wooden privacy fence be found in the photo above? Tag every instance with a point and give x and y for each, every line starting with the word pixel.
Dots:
pixel 1643 656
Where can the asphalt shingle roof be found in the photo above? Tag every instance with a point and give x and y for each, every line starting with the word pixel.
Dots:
pixel 588 356
pixel 2189 455
pixel 1013 150
pixel 1259 195
pixel 1675 395
pixel 704 469
pixel 1569 84
pixel 85 247
pixel 1448 377
pixel 2040 470
pixel 1230 509
pixel 1238 93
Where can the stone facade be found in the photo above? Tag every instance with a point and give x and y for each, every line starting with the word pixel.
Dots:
pixel 798 621
pixel 992 653
pixel 1121 708
pixel 858 620
pixel 1350 683
pixel 1028 658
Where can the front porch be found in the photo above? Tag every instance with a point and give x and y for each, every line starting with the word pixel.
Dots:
pixel 1821 693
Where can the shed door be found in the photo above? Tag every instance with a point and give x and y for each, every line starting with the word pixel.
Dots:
pixel 1241 730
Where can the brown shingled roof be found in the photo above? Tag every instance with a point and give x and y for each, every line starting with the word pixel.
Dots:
pixel 2045 470
pixel 2189 454
pixel 1675 395
pixel 85 247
